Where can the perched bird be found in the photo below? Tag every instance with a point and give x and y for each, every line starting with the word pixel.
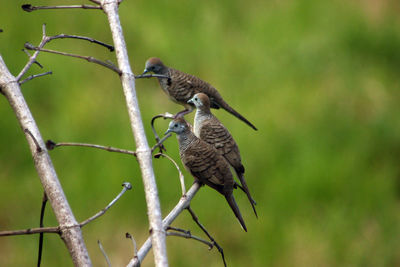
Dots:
pixel 208 128
pixel 180 87
pixel 205 164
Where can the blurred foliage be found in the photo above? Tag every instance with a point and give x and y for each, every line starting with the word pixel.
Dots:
pixel 320 79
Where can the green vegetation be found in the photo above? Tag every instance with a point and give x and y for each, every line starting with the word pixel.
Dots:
pixel 320 80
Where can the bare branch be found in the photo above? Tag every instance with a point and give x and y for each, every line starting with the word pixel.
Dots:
pixel 29 55
pixel 70 36
pixel 32 59
pixel 159 144
pixel 46 39
pixel 187 234
pixel 182 204
pixel 181 177
pixel 30 8
pixel 128 235
pixel 166 115
pixel 35 76
pixel 87 58
pixel 54 230
pixel 196 219
pixel 126 186
pixel 104 253
pixel 144 156
pixel 51 145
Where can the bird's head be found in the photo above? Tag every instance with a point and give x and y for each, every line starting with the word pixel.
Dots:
pixel 154 65
pixel 200 100
pixel 178 126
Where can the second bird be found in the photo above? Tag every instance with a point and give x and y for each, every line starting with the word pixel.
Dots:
pixel 208 128
pixel 180 87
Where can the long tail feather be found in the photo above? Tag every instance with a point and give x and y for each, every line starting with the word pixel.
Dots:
pixel 235 209
pixel 246 190
pixel 228 108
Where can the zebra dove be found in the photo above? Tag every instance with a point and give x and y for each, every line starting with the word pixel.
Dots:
pixel 208 128
pixel 205 163
pixel 180 87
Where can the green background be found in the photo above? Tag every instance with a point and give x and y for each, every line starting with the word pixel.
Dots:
pixel 320 80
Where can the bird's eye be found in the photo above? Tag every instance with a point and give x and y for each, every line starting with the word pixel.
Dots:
pixel 195 99
pixel 176 125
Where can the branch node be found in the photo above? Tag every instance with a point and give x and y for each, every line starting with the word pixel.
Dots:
pixel 38 148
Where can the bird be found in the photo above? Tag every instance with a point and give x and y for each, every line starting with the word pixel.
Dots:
pixel 208 128
pixel 180 87
pixel 205 164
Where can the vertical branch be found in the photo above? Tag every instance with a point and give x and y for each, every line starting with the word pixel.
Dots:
pixel 143 151
pixel 70 230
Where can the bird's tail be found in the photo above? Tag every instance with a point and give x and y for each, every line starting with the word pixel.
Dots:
pixel 228 108
pixel 246 190
pixel 232 203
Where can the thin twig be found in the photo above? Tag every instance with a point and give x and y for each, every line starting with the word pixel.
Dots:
pixel 187 234
pixel 50 145
pixel 35 76
pixel 44 201
pixel 126 186
pixel 87 58
pixel 159 144
pixel 181 177
pixel 166 115
pixel 32 59
pixel 30 231
pixel 29 55
pixel 196 219
pixel 128 235
pixel 46 39
pixel 30 8
pixel 70 36
pixel 104 253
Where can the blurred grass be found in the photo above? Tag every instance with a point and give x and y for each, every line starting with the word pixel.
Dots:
pixel 319 79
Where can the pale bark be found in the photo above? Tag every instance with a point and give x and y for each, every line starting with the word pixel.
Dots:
pixel 143 151
pixel 70 229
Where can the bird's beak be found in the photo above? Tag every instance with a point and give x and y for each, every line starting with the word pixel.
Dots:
pixel 190 101
pixel 145 71
pixel 168 131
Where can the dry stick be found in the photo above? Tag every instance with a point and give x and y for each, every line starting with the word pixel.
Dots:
pixel 110 7
pixel 166 115
pixel 104 253
pixel 30 8
pixel 87 58
pixel 196 219
pixel 128 235
pixel 44 201
pixel 32 59
pixel 187 234
pixel 46 39
pixel 181 177
pixel 71 232
pixel 126 186
pixel 35 76
pixel 29 55
pixel 160 143
pixel 182 204
pixel 51 145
